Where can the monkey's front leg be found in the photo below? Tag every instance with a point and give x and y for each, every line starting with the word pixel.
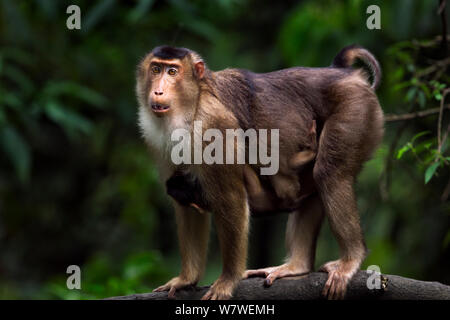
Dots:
pixel 193 235
pixel 231 220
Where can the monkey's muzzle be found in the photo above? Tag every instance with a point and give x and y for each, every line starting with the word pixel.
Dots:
pixel 159 108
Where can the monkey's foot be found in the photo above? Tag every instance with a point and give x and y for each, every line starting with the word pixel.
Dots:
pixel 273 273
pixel 173 285
pixel 222 289
pixel 340 273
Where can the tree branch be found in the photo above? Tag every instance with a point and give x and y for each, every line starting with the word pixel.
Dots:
pixel 441 112
pixel 413 115
pixel 309 287
pixel 438 65
pixel 441 12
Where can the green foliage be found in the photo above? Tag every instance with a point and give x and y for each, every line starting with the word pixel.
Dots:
pixel 23 104
pixel 18 151
pixel 424 83
pixel 333 21
pixel 102 277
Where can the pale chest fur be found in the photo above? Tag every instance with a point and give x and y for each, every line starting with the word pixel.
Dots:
pixel 157 132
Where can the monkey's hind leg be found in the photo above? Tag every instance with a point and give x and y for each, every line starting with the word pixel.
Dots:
pixel 303 227
pixel 344 221
pixel 334 174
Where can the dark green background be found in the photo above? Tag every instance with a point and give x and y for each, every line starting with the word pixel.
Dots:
pixel 77 185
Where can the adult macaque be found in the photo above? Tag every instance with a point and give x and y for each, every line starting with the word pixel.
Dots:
pixel 175 88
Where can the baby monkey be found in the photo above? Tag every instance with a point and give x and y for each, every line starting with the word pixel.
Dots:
pixel 280 193
pixel 186 190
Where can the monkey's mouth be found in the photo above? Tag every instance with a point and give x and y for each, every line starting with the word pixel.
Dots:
pixel 159 108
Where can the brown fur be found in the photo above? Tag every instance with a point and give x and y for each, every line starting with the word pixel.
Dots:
pixel 282 192
pixel 337 101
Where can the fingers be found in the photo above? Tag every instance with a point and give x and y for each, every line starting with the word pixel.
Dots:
pixel 327 286
pixel 213 295
pixel 335 286
pixel 256 273
pixel 207 295
pixel 332 292
pixel 272 276
pixel 171 294
pixel 220 290
pixel 161 288
pixel 210 295
pixel 339 275
pixel 341 289
pixel 172 286
pixel 275 274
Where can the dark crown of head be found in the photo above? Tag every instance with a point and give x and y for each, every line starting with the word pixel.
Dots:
pixel 167 52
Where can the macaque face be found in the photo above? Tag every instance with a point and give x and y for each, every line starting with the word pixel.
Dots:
pixel 168 83
pixel 165 77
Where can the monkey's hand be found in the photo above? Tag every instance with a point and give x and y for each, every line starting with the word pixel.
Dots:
pixel 222 289
pixel 175 284
pixel 340 273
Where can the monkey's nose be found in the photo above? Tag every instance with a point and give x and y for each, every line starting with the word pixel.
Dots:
pixel 158 93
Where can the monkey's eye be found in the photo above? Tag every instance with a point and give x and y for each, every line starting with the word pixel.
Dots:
pixel 172 71
pixel 156 69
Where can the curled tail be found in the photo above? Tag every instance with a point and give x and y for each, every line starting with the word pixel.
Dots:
pixel 350 54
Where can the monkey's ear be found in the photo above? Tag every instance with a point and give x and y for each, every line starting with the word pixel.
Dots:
pixel 199 70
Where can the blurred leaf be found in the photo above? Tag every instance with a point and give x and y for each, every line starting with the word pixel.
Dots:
pixel 203 28
pixel 410 146
pixel 19 77
pixel 424 146
pixel 401 85
pixel 67 118
pixel 430 171
pixel 2 117
pixel 48 7
pixel 56 89
pixel 421 99
pixel 425 89
pixel 10 100
pixel 16 148
pixel 17 55
pixel 96 14
pixel 420 134
pixel 411 94
pixel 17 26
pixel 142 7
pixel 402 150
